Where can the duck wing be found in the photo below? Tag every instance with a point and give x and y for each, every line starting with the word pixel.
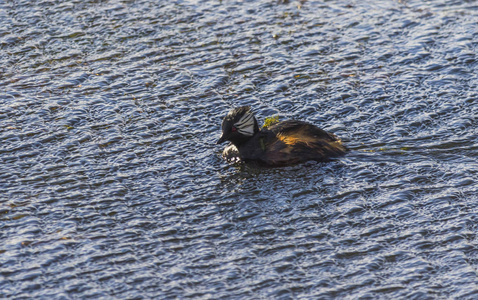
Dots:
pixel 300 141
pixel 302 131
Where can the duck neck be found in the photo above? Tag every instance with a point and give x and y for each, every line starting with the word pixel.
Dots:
pixel 241 140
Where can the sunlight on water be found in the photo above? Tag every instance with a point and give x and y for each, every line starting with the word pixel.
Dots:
pixel 114 187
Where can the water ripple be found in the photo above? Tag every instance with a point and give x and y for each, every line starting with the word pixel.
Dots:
pixel 113 186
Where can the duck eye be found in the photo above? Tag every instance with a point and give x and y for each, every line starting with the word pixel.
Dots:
pixel 233 129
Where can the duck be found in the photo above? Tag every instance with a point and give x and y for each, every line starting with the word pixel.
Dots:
pixel 284 143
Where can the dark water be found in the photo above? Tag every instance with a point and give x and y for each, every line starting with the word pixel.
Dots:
pixel 113 187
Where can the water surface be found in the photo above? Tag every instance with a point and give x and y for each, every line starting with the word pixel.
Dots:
pixel 113 187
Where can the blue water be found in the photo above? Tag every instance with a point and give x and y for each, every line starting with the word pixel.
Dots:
pixel 113 186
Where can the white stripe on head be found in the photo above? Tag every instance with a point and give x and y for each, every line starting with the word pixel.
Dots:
pixel 245 125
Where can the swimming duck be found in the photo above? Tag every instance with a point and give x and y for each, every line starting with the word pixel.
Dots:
pixel 285 143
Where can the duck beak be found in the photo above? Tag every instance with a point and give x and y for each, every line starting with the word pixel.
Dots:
pixel 221 139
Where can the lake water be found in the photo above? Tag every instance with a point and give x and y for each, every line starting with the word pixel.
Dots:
pixel 112 185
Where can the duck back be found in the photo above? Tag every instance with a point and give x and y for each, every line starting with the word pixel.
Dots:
pixel 292 141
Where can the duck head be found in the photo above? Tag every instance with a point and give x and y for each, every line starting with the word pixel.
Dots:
pixel 238 126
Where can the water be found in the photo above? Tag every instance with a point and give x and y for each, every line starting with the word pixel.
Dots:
pixel 113 187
